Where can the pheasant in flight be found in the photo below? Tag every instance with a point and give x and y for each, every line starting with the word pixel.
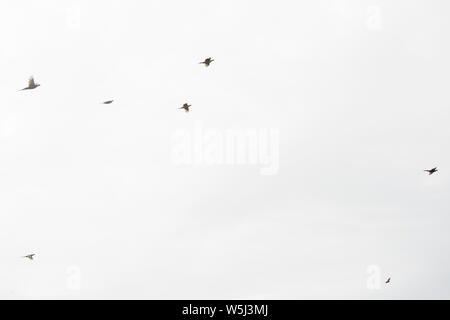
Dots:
pixel 31 84
pixel 431 171
pixel 207 61
pixel 29 256
pixel 185 107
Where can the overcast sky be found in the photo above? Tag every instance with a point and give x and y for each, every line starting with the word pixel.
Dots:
pixel 356 93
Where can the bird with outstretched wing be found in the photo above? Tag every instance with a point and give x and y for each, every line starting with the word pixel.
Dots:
pixel 185 107
pixel 431 171
pixel 29 256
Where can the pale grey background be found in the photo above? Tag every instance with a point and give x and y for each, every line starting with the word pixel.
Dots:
pixel 359 93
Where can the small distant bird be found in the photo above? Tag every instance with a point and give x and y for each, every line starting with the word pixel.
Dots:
pixel 388 280
pixel 31 84
pixel 431 171
pixel 108 102
pixel 30 256
pixel 185 107
pixel 207 61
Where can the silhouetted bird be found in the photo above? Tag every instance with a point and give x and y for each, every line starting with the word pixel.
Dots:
pixel 431 171
pixel 30 256
pixel 31 84
pixel 185 107
pixel 108 102
pixel 207 61
pixel 388 280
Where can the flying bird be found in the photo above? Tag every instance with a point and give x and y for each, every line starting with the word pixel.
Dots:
pixel 31 84
pixel 207 61
pixel 108 102
pixel 185 107
pixel 388 280
pixel 431 171
pixel 30 256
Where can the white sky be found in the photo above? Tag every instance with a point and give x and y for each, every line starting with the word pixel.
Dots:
pixel 358 91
